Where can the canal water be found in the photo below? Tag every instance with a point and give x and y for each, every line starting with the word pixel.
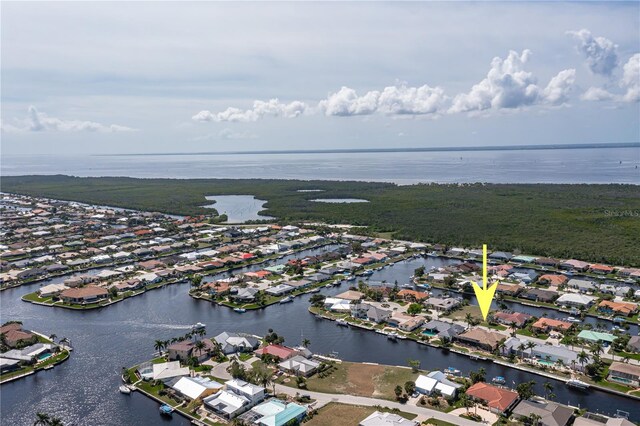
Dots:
pixel 84 390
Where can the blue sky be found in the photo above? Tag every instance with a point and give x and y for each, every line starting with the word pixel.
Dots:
pixel 165 77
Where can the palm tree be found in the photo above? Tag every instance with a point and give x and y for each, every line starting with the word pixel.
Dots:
pixel 55 422
pixel 199 345
pixel 53 338
pixel 530 346
pixel 469 319
pixel 158 346
pixel 596 348
pixel 306 342
pixel 521 348
pixel 42 419
pixel 548 387
pixel 582 358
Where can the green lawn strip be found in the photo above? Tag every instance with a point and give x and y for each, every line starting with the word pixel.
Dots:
pixel 335 413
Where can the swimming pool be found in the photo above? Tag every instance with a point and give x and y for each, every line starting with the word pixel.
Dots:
pixel 43 356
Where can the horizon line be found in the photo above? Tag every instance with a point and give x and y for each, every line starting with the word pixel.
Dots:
pixel 390 150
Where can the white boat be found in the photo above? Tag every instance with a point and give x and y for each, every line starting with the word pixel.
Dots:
pixel 48 367
pixel 124 389
pixel 240 310
pixel 368 272
pixel 407 286
pixel 573 319
pixel 328 286
pixel 198 326
pixel 498 380
pixel 392 335
pixel 341 322
pixel 286 300
pixel 351 278
pixel 314 290
pixel 578 384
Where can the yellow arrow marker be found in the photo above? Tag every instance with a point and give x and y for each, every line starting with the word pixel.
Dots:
pixel 484 294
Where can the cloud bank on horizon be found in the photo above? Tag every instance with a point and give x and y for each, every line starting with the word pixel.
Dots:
pixel 81 77
pixel 507 86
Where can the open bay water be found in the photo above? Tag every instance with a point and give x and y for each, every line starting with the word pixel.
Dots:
pixel 84 390
pixel 567 165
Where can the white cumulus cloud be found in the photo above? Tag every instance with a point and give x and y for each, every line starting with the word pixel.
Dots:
pixel 392 100
pixel 601 53
pixel 260 109
pixel 597 94
pixel 631 79
pixel 508 85
pixel 40 122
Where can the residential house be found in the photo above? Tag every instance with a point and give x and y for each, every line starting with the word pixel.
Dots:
pixel 378 315
pixel 480 338
pixel 634 344
pixel 299 366
pixel 610 307
pixel 500 256
pixel 600 269
pixel 508 318
pixel 405 322
pixel 626 374
pixel 436 381
pixel 583 286
pixel 279 290
pixel 555 280
pixel 523 259
pixel 88 294
pixel 499 400
pixel 590 419
pixel 276 413
pixel 278 351
pixel 14 335
pixel 442 329
pixel 51 290
pixel 180 351
pixel 193 388
pixel 412 295
pixel 378 418
pixel 545 325
pixel 539 295
pixel 236 342
pixel 247 294
pixel 576 265
pixel 446 304
pixel 547 413
pixel 508 289
pixel 575 300
pixel 547 261
pixel 597 336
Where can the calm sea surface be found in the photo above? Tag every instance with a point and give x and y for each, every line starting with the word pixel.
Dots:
pixel 83 390
pixel 608 165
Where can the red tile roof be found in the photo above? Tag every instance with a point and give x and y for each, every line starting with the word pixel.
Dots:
pixel 279 351
pixel 493 396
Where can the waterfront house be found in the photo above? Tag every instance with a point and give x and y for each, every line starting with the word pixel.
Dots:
pixel 480 338
pixel 590 419
pixel 610 307
pixel 275 413
pixel 7 365
pixel 547 353
pixel 525 277
pixel 547 413
pixel 626 374
pixel 162 371
pixel 236 342
pixel 442 329
pixel 405 322
pixel 14 335
pixel 436 381
pixel 600 269
pixel 547 261
pixel 545 325
pixel 279 290
pixel 583 286
pixel 412 295
pixel 193 388
pixel 237 397
pixel 51 290
pixel 523 259
pixel 575 265
pixel 29 353
pixel 499 400
pixel 539 295
pixel 245 295
pixel 299 366
pixel 378 315
pixel 350 295
pixel 508 289
pixel 502 256
pixel 575 300
pixel 596 336
pixel 555 280
pixel 508 318
pixel 180 351
pixel 278 351
pixel 446 304
pixel 634 344
pixel 88 294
